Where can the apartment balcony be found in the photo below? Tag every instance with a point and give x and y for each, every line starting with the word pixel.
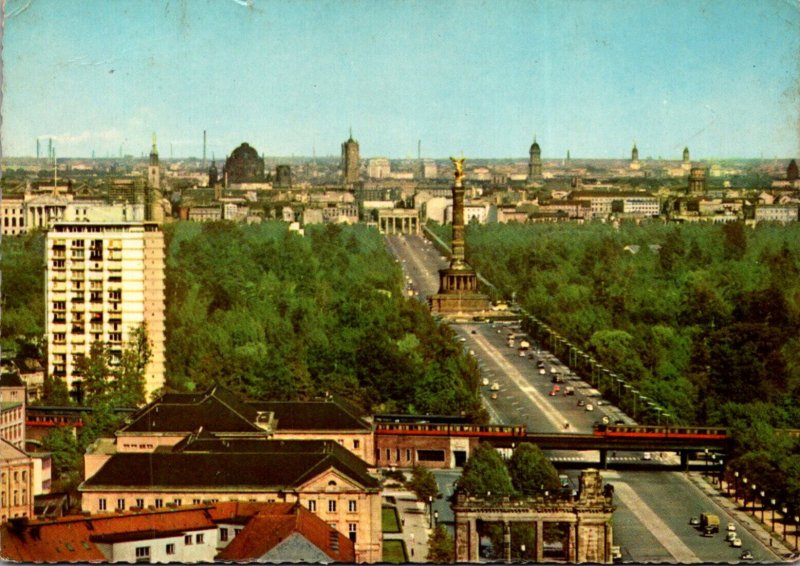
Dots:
pixel 78 264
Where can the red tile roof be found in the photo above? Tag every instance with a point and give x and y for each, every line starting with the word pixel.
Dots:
pixel 275 523
pixel 72 538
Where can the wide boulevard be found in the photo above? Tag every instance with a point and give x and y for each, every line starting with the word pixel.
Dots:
pixel 654 502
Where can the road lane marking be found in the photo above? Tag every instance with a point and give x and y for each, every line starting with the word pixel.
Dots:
pixel 552 415
pixel 653 523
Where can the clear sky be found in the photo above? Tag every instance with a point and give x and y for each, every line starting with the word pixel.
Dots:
pixel 478 77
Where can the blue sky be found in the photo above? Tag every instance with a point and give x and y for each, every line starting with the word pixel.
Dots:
pixel 290 77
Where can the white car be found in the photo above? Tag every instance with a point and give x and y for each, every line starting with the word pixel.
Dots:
pixel 495 386
pixel 589 407
pixel 647 456
pixel 541 371
pixel 731 528
pixel 485 381
pixel 736 543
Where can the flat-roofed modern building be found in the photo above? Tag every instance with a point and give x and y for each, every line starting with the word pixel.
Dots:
pixel 103 282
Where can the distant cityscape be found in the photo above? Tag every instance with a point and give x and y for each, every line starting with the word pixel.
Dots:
pixel 320 472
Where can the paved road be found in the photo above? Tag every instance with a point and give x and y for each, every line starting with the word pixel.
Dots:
pixel 653 507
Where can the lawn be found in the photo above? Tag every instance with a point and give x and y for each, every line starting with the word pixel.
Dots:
pixel 389 521
pixel 394 552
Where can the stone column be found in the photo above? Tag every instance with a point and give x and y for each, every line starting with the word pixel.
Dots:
pixel 573 543
pixel 507 541
pixel 539 541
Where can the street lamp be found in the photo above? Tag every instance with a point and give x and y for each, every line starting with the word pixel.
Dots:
pixel 430 510
pixel 705 451
pixel 761 493
pixel 784 510
pixel 772 506
pixel 735 485
pixel 435 518
pixel 744 493
pixel 796 521
pixel 753 487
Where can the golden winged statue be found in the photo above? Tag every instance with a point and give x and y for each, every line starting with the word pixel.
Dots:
pixel 459 164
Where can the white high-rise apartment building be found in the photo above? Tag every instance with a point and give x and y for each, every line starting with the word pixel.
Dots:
pixel 103 281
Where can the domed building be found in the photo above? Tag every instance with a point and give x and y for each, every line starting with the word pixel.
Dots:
pixel 244 165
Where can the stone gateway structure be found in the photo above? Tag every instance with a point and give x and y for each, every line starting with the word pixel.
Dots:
pixel 458 283
pixel 586 519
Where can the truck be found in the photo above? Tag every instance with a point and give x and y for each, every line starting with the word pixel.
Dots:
pixel 709 523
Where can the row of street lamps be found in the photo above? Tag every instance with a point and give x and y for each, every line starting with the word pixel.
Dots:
pixel 761 495
pixel 599 374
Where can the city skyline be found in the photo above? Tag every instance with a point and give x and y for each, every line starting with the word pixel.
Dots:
pixel 291 78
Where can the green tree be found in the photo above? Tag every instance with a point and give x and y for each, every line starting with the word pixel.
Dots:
pixel 63 445
pixel 441 548
pixel 423 483
pixel 532 473
pixel 485 474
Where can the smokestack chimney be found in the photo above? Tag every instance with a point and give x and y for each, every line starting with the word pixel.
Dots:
pixel 204 149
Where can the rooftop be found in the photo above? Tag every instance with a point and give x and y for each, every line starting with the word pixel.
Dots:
pixel 230 465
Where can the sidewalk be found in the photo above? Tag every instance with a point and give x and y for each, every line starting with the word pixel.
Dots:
pixel 761 531
pixel 414 524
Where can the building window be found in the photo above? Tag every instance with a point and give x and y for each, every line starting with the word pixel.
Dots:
pixel 120 504
pixel 187 540
pixel 356 444
pixel 236 532
pixel 388 454
pixel 24 476
pixel 140 503
pixel 332 506
pixel 351 531
pixel 195 502
pixel 408 454
pixel 171 548
pixel 199 538
pixel 312 505
pixel 142 554
pixel 351 506
pixel 101 504
pixel 176 502
pixel 159 503
pixel 223 534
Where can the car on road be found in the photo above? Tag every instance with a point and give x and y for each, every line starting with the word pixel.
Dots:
pixel 731 527
pixel 485 381
pixel 462 339
pixel 694 521
pixel 730 535
pixel 746 555
pixel 495 386
pixel 542 372
pixel 647 456
pixel 540 364
pixel 494 396
pixel 736 543
pixel 554 391
pixel 569 390
pixel 589 407
pixel 581 403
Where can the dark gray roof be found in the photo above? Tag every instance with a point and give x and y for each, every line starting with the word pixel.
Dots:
pixel 230 464
pixel 217 410
pixel 10 379
pixel 313 415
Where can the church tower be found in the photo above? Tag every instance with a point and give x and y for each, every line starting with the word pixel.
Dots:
pixel 213 173
pixel 635 158
pixel 153 171
pixel 153 210
pixel 350 161
pixel 687 164
pixel 535 162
